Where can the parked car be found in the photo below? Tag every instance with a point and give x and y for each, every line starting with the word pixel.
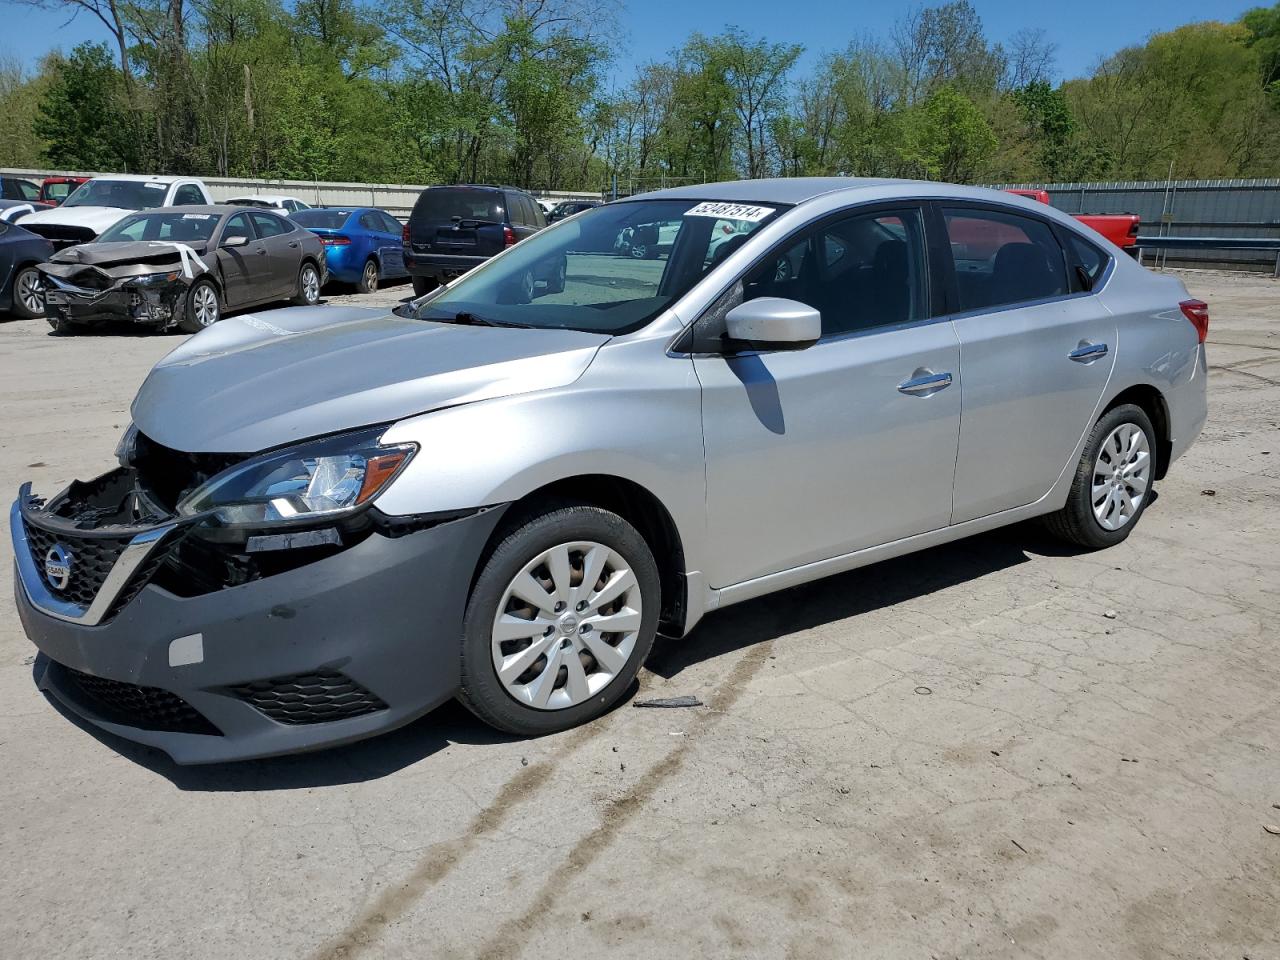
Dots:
pixel 11 211
pixel 546 204
pixel 270 201
pixel 18 188
pixel 103 201
pixel 1120 228
pixel 569 207
pixel 21 289
pixel 362 245
pixel 53 190
pixel 503 499
pixel 453 229
pixel 182 267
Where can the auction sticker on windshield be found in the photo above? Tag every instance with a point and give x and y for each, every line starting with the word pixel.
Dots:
pixel 730 211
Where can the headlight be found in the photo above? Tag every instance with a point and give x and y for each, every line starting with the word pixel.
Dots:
pixel 127 446
pixel 150 278
pixel 312 481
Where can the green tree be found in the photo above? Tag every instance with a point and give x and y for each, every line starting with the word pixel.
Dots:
pixel 82 117
pixel 946 137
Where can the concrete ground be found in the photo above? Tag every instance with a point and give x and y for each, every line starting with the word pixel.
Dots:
pixel 955 754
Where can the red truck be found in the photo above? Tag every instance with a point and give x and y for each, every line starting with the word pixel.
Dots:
pixel 56 189
pixel 1120 228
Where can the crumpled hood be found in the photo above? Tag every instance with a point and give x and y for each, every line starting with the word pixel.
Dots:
pixel 104 256
pixel 96 219
pixel 254 382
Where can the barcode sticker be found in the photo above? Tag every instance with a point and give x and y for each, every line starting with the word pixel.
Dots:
pixel 729 211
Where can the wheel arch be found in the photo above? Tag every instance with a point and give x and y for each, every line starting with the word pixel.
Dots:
pixel 1153 403
pixel 634 503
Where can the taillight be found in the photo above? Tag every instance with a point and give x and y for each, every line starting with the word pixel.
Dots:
pixel 508 237
pixel 335 240
pixel 1197 311
pixel 404 235
pixel 1133 228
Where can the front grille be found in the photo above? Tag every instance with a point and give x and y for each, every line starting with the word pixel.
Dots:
pixel 91 560
pixel 148 708
pixel 309 698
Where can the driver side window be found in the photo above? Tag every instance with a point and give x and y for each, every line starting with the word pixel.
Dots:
pixel 237 226
pixel 859 272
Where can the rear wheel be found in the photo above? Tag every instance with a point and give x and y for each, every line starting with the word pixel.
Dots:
pixel 203 308
pixel 561 618
pixel 28 293
pixel 308 294
pixel 1113 481
pixel 424 285
pixel 555 283
pixel 368 277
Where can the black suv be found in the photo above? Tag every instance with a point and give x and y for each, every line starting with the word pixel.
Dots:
pixel 453 229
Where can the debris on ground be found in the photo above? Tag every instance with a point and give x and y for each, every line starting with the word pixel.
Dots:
pixel 1271 828
pixel 1208 493
pixel 669 702
pixel 1111 614
pixel 923 691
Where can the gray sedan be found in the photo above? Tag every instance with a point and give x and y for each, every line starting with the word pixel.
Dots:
pixel 504 490
pixel 183 267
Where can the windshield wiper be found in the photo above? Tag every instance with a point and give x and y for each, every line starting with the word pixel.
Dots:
pixel 467 318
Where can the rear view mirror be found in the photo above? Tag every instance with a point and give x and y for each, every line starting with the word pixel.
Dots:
pixel 237 241
pixel 772 323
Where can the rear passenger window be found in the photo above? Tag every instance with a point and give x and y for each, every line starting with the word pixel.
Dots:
pixel 1088 262
pixel 860 273
pixel 371 222
pixel 1003 259
pixel 269 225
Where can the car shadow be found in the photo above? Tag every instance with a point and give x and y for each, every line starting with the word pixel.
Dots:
pixel 735 628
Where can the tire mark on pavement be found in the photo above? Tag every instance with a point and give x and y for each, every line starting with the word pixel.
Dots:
pixel 512 935
pixel 394 902
pixel 1245 373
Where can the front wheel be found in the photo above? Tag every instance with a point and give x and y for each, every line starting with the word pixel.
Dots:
pixel 308 294
pixel 1113 481
pixel 561 618
pixel 203 308
pixel 28 294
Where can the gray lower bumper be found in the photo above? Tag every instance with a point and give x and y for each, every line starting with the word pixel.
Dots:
pixel 386 613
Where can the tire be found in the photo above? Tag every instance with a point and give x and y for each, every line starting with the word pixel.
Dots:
pixel 368 282
pixel 1095 515
pixel 308 294
pixel 555 283
pixel 539 701
pixel 424 285
pixel 202 308
pixel 28 294
pixel 639 251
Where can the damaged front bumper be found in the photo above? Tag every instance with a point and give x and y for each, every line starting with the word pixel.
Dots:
pixel 152 299
pixel 164 631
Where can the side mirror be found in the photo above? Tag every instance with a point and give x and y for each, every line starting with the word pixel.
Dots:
pixel 237 241
pixel 773 323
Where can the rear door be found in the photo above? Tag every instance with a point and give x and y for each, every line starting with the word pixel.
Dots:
pixel 1036 356
pixel 458 221
pixel 283 253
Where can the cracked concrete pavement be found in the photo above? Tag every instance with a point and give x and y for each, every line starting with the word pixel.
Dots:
pixel 953 754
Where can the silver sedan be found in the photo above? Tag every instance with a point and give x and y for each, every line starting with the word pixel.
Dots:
pixel 504 490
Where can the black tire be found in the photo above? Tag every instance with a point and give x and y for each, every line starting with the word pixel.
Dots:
pixel 424 285
pixel 190 322
pixel 368 282
pixel 308 295
pixel 526 536
pixel 1075 522
pixel 27 278
pixel 555 283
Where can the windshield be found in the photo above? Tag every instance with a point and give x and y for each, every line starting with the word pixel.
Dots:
pixel 467 203
pixel 183 227
pixel 324 219
pixel 125 194
pixel 610 270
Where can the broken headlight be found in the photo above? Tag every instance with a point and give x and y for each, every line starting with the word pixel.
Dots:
pixel 317 480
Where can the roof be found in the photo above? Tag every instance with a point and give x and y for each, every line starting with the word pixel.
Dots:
pixel 218 209
pixel 140 178
pixel 269 197
pixel 778 190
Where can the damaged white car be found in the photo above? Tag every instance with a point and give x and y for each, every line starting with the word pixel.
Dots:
pixel 182 267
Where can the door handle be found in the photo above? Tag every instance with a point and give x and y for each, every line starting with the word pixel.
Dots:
pixel 1088 352
pixel 294 244
pixel 261 251
pixel 924 383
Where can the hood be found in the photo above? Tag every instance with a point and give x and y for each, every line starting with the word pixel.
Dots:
pixel 254 382
pixel 111 254
pixel 96 219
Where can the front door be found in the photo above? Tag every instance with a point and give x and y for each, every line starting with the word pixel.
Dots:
pixel 241 265
pixel 852 442
pixel 1036 358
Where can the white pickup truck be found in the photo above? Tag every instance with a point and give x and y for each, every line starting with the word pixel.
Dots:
pixel 98 203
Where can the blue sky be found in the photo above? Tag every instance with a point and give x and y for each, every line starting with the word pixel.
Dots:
pixel 1083 29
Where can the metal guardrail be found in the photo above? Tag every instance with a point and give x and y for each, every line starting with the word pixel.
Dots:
pixel 1165 244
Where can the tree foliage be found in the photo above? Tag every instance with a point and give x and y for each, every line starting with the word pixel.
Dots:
pixel 518 91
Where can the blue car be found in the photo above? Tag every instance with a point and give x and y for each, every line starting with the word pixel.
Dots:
pixel 362 245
